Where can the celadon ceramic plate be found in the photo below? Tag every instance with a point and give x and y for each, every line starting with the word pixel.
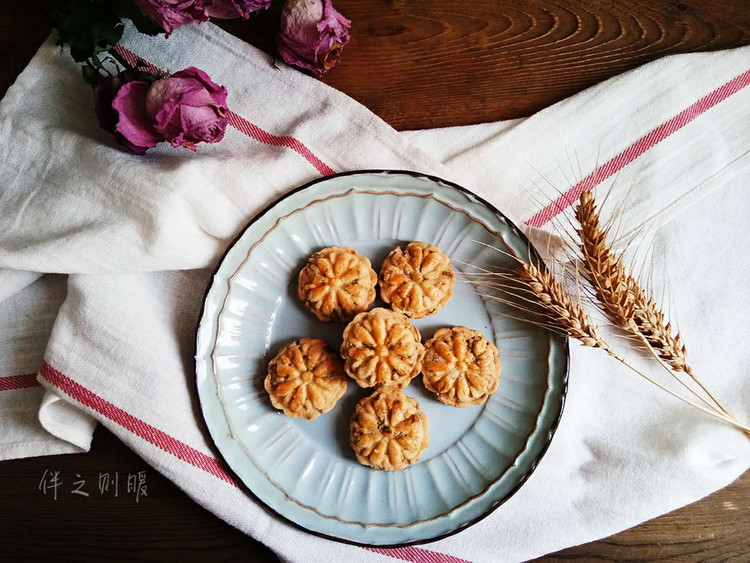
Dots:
pixel 306 471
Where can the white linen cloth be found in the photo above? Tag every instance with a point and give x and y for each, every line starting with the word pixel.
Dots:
pixel 139 236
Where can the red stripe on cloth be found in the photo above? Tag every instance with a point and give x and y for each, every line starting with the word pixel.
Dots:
pixel 239 122
pixel 138 62
pixel 181 450
pixel 648 141
pixel 24 381
pixel 142 429
pixel 417 555
pixel 255 132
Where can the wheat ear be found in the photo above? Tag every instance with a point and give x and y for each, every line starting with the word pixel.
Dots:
pixel 666 346
pixel 626 303
pixel 571 319
pixel 563 311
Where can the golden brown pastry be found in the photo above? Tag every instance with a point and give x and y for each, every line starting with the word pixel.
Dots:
pixel 305 379
pixel 337 283
pixel 388 430
pixel 382 346
pixel 416 280
pixel 461 366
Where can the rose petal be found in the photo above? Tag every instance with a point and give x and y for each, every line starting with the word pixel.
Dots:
pixel 219 93
pixel 171 14
pixel 134 123
pixel 231 9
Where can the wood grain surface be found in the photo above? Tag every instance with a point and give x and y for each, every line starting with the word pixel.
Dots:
pixel 163 525
pixel 433 63
pixel 417 64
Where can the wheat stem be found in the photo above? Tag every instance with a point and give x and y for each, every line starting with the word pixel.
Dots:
pixel 671 372
pixel 668 368
pixel 712 412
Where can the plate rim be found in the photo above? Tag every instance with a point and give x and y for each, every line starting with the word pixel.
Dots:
pixel 203 423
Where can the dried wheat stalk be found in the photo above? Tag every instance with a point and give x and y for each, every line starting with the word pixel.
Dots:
pixel 569 317
pixel 627 304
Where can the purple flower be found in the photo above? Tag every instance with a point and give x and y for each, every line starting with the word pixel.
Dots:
pixel 188 108
pixel 184 109
pixel 120 107
pixel 312 34
pixel 171 14
pixel 231 9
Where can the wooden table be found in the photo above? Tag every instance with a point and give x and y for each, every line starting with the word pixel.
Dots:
pixel 417 64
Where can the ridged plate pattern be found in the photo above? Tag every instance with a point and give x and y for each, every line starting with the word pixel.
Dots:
pixel 305 470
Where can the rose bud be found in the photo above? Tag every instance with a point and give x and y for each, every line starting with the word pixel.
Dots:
pixel 188 108
pixel 232 9
pixel 121 109
pixel 171 14
pixel 312 35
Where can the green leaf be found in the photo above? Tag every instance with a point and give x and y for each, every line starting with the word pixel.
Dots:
pixel 89 27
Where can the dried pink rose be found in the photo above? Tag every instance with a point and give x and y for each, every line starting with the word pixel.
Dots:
pixel 188 108
pixel 312 35
pixel 231 9
pixel 184 109
pixel 171 14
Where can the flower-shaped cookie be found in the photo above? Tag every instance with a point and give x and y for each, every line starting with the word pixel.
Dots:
pixel 305 379
pixel 416 280
pixel 382 346
pixel 461 366
pixel 388 430
pixel 337 283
